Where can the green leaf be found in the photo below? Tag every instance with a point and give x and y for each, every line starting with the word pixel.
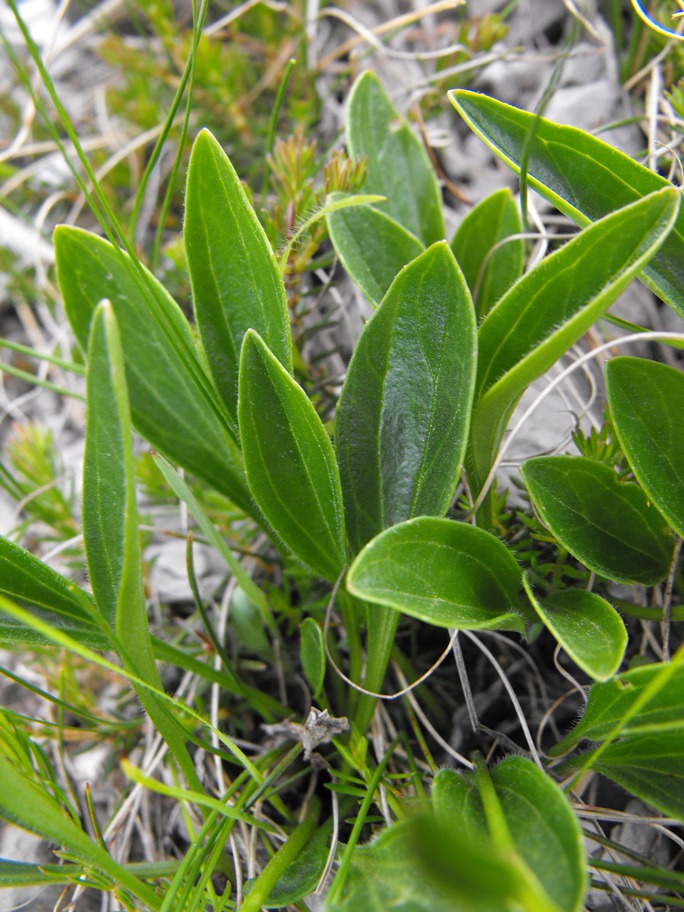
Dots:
pixel 13 631
pixel 49 596
pixel 110 521
pixel 554 304
pixel 33 583
pixel 491 261
pixel 605 523
pixel 586 626
pixel 398 165
pixel 280 863
pixel 611 702
pixel 582 176
pixel 526 818
pixel 383 876
pixel 110 513
pixel 373 247
pixel 648 766
pixel 445 573
pixel 404 410
pixel 236 283
pixel 290 461
pixel 25 803
pixel 171 397
pixel 312 653
pixel 646 402
pixel 301 876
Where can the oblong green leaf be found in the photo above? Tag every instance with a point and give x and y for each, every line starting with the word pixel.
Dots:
pixel 110 513
pixel 372 247
pixel 289 461
pixel 491 259
pixel 236 283
pixel 554 304
pixel 110 521
pixel 582 176
pixel 588 628
pixel 605 523
pixel 170 396
pixel 403 415
pixel 611 702
pixel 541 832
pixel 646 402
pixel 446 573
pixel 398 165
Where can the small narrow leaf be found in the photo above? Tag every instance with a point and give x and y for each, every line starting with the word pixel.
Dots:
pixel 171 397
pixel 554 304
pixel 610 702
pixel 546 840
pixel 646 402
pixel 605 523
pixel 404 410
pixel 290 461
pixel 445 573
pixel 312 653
pixel 491 259
pixel 373 248
pixel 24 803
pixel 236 283
pixel 587 627
pixel 398 165
pixel 582 176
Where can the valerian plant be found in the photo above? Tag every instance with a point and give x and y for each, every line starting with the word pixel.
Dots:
pixel 459 332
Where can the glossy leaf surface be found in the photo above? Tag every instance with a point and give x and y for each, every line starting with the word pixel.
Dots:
pixel 170 396
pixel 587 627
pixel 445 573
pixel 398 165
pixel 646 402
pixel 611 702
pixel 290 461
pixel 373 248
pixel 404 410
pixel 236 283
pixel 491 263
pixel 554 304
pixel 581 175
pixel 606 524
pixel 523 815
